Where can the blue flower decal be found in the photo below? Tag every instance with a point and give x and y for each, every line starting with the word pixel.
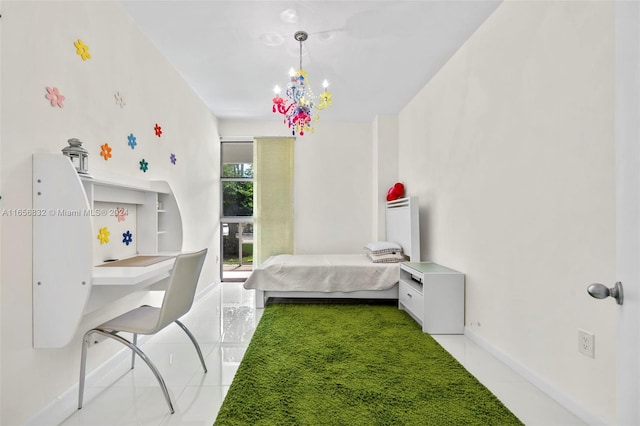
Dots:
pixel 127 238
pixel 173 159
pixel 144 165
pixel 132 141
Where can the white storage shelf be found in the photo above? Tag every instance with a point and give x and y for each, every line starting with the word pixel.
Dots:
pixel 64 238
pixel 433 295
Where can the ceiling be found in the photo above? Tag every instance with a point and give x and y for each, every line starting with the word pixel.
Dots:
pixel 376 55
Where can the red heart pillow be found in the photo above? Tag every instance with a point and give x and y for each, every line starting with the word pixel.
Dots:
pixel 395 192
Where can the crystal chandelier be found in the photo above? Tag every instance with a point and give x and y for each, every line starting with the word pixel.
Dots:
pixel 300 105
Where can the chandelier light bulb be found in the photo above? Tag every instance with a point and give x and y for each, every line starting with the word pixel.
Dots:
pixel 277 90
pixel 325 84
pixel 292 72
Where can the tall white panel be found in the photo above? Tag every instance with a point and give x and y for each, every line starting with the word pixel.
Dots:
pixel 62 250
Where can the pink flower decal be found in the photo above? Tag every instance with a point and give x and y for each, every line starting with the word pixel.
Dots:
pixel 56 98
pixel 121 214
pixel 158 130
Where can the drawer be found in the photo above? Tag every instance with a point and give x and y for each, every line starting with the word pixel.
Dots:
pixel 412 300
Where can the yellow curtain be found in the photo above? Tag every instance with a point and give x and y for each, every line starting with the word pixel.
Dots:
pixel 272 197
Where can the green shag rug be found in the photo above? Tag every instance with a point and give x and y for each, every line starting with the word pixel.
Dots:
pixel 323 364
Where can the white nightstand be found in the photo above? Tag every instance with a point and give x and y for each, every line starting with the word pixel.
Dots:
pixel 433 295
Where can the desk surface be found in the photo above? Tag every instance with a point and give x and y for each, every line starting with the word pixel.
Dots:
pixel 132 274
pixel 136 261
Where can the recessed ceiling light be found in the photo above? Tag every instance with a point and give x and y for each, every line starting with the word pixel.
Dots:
pixel 324 35
pixel 290 16
pixel 271 39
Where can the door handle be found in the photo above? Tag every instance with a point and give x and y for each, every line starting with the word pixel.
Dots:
pixel 600 291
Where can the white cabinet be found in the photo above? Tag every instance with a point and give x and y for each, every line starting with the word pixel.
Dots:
pixel 433 295
pixel 70 214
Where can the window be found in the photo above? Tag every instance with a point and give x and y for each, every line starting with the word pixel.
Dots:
pixel 237 179
pixel 236 223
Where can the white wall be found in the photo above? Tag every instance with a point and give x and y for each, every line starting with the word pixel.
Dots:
pixel 1 192
pixel 385 169
pixel 511 149
pixel 332 183
pixel 38 51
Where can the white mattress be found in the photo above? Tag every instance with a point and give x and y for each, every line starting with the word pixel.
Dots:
pixel 323 273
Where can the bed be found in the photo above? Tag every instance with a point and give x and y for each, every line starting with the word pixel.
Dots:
pixel 341 276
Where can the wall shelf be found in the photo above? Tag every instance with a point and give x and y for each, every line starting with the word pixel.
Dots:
pixel 66 283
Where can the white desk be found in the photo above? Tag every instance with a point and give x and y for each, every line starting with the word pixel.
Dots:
pixel 110 283
pixel 131 275
pixel 66 284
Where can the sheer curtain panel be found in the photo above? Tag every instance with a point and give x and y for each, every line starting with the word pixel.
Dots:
pixel 272 197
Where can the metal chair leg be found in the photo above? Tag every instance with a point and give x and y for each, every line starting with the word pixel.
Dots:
pixel 133 354
pixel 83 364
pixel 136 350
pixel 195 343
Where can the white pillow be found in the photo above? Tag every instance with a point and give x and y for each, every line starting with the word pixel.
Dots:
pixel 382 247
pixel 386 257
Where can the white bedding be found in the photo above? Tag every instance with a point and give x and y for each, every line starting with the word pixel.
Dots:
pixel 323 273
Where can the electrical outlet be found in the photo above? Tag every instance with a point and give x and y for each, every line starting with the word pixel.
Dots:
pixel 586 343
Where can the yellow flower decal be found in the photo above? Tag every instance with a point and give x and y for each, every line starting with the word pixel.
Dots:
pixel 82 50
pixel 106 151
pixel 103 235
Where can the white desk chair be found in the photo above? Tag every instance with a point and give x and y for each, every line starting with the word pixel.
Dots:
pixel 177 301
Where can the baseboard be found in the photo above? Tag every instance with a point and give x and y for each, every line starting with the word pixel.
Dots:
pixel 561 397
pixel 66 404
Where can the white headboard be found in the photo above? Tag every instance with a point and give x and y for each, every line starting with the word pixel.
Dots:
pixel 403 225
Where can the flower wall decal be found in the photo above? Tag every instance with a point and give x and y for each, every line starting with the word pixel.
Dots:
pixel 82 50
pixel 173 158
pixel 127 238
pixel 121 214
pixel 106 151
pixel 144 165
pixel 54 95
pixel 132 141
pixel 158 130
pixel 103 235
pixel 119 100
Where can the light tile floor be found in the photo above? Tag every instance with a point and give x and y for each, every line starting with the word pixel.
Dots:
pixel 223 321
